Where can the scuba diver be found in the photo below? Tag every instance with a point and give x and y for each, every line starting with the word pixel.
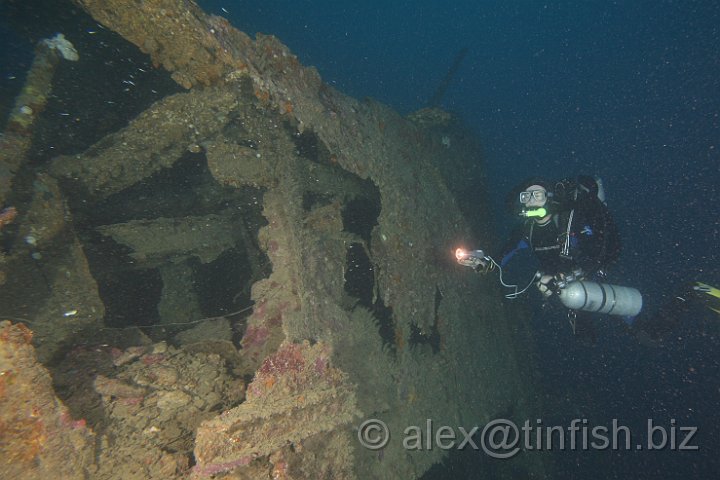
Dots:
pixel 571 232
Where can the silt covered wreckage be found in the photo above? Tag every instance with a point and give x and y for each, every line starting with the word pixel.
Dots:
pixel 294 247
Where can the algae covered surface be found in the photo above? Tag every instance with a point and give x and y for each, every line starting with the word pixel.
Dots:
pixel 230 281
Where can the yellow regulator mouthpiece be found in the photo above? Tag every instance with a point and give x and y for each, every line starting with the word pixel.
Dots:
pixel 538 212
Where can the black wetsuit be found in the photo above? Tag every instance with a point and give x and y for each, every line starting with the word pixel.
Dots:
pixel 582 235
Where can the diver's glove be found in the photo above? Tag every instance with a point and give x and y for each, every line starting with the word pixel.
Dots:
pixel 545 284
pixel 485 266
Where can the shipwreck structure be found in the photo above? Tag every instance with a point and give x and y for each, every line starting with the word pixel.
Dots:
pixel 229 285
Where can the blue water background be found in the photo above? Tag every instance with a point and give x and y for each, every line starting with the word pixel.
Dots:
pixel 629 91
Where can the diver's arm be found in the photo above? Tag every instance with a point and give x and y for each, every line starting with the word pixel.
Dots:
pixel 516 241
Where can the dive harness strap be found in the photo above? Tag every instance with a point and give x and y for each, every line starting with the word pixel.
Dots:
pixel 565 250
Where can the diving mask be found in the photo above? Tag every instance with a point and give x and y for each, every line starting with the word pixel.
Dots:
pixel 539 197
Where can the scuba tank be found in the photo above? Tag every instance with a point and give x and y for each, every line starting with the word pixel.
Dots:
pixel 601 298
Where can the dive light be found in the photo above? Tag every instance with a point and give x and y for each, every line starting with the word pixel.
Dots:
pixel 462 254
pixel 471 258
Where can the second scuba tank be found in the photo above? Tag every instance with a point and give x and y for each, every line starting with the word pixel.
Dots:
pixel 601 298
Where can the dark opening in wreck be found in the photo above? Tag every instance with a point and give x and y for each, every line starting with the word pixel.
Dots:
pixel 257 185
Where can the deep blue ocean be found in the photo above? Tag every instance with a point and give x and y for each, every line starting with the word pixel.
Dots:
pixel 625 90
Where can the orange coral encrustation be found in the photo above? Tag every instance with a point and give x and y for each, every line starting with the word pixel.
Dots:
pixel 7 216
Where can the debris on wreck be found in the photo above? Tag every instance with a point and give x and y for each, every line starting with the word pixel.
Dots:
pixel 17 137
pixel 254 264
pixel 37 432
pixel 297 392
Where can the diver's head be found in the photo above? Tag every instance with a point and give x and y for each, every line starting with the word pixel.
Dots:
pixel 534 200
pixel 534 196
pixel 530 199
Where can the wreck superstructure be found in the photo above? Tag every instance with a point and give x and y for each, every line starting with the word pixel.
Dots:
pixel 343 216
